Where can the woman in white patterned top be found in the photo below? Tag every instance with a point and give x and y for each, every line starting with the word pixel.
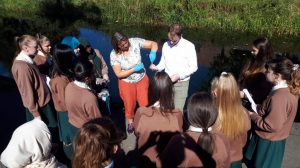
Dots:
pixel 126 61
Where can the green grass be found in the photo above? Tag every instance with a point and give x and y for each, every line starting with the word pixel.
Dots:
pixel 280 17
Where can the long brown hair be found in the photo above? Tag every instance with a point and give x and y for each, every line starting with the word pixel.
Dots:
pixel 95 143
pixel 265 54
pixel 41 39
pixel 285 67
pixel 161 89
pixel 22 41
pixel 232 117
pixel 202 113
pixel 116 40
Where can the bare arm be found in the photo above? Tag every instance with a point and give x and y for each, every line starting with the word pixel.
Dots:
pixel 122 74
pixel 152 45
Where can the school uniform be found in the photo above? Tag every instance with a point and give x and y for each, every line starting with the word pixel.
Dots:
pixel 33 89
pixel 237 144
pixel 272 126
pixel 42 62
pixel 58 86
pixel 154 130
pixel 82 105
pixel 183 151
pixel 258 86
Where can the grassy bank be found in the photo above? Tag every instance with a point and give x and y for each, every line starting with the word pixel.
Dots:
pixel 264 16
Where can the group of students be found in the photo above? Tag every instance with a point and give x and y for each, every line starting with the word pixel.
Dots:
pixel 216 131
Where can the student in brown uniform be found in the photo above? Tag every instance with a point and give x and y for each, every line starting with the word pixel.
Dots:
pixel 233 119
pixel 96 144
pixel 252 76
pixel 41 60
pixel 200 146
pixel 80 99
pixel 62 73
pixel 156 123
pixel 276 116
pixel 31 84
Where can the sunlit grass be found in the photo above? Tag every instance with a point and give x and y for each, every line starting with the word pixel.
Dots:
pixel 281 17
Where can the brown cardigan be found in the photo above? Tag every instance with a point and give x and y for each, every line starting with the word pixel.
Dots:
pixel 42 63
pixel 277 115
pixel 154 130
pixel 237 144
pixel 58 86
pixel 182 151
pixel 82 105
pixel 258 86
pixel 32 87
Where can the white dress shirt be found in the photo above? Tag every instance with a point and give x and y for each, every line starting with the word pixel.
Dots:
pixel 180 59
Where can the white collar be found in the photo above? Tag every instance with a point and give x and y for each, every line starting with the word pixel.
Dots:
pixel 281 84
pixel 23 57
pixel 196 129
pixel 156 104
pixel 41 53
pixel 82 84
pixel 111 165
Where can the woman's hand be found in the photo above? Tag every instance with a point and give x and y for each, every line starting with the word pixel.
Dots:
pixel 138 67
pixel 152 56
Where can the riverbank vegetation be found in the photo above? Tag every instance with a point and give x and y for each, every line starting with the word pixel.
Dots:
pixel 280 17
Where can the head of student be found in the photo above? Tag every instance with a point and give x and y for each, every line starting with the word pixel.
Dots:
pixel 84 71
pixel 280 69
pixel 119 42
pixel 161 89
pixel 232 117
pixel 44 44
pixel 97 142
pixel 62 61
pixel 202 113
pixel 73 43
pixel 30 146
pixel 262 52
pixel 27 44
pixel 174 33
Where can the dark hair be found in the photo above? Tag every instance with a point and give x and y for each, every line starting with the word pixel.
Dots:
pixel 175 29
pixel 40 40
pixel 202 113
pixel 95 143
pixel 84 69
pixel 284 67
pixel 161 89
pixel 265 54
pixel 116 39
pixel 62 62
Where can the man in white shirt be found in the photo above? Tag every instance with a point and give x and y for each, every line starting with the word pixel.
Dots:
pixel 179 60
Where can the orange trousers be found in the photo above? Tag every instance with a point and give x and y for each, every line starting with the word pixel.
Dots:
pixel 132 93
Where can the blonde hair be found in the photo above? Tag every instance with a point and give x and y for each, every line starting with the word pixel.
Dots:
pixel 232 117
pixel 22 41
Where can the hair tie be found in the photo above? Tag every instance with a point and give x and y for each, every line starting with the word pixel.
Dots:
pixel 296 66
pixel 224 73
pixel 199 130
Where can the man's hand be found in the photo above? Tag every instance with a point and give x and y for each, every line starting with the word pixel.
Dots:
pixel 153 67
pixel 174 77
